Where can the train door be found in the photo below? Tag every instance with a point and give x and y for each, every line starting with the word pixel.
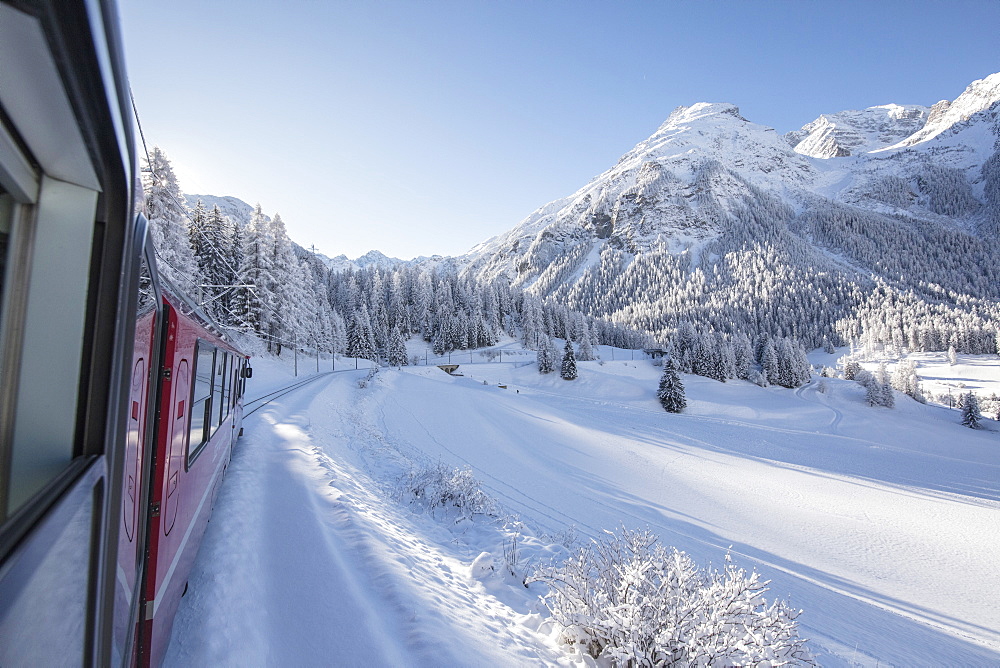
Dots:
pixel 178 444
pixel 140 438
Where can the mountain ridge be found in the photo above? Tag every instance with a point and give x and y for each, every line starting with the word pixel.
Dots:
pixel 900 195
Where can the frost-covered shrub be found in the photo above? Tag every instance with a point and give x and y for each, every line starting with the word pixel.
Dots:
pixel 851 370
pixel 441 486
pixel 364 382
pixel 757 377
pixel 632 600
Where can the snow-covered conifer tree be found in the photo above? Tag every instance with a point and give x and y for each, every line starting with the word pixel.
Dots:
pixel 360 341
pixel 671 389
pixel 769 364
pixel 396 354
pixel 545 357
pixel 586 353
pixel 972 417
pixel 165 210
pixel 568 369
pixel 255 271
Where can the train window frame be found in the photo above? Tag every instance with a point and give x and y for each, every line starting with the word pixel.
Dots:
pixel 194 450
pixel 219 411
pixel 43 324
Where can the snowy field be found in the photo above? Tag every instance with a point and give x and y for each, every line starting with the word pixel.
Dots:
pixel 882 525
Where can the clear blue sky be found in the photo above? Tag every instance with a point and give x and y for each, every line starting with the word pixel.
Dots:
pixel 426 127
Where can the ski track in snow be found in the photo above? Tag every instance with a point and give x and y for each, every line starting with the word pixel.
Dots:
pixel 889 547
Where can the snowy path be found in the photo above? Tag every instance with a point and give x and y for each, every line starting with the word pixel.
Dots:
pixel 307 563
pixel 881 525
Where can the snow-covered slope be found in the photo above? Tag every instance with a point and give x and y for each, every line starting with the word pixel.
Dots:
pixel 678 187
pixel 879 524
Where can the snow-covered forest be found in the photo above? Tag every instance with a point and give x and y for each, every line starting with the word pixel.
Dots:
pixel 253 278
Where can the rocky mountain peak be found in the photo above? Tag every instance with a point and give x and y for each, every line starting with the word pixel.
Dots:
pixel 849 133
pixel 979 96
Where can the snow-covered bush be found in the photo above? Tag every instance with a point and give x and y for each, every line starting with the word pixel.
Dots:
pixel 364 382
pixel 638 603
pixel 757 377
pixel 442 486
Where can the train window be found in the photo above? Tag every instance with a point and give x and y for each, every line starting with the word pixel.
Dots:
pixel 147 296
pixel 231 385
pixel 6 219
pixel 221 360
pixel 46 277
pixel 201 398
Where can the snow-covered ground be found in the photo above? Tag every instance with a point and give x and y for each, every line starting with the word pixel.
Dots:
pixel 880 524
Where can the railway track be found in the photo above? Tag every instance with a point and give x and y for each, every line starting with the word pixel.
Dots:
pixel 255 405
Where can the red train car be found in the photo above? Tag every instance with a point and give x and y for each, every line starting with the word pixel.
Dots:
pixel 120 401
pixel 200 415
pixel 193 401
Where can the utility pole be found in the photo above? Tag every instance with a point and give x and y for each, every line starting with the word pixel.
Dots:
pixel 295 352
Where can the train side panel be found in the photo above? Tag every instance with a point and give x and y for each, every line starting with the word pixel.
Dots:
pixel 194 445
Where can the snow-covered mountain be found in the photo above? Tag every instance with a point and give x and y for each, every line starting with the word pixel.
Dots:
pixel 374 258
pixel 231 207
pixel 856 132
pixel 239 212
pixel 719 220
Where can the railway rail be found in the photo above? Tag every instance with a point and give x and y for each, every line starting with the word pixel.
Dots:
pixel 251 406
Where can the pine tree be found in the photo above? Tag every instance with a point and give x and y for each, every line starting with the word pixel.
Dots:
pixel 396 354
pixel 568 369
pixel 671 390
pixel 769 364
pixel 586 348
pixel 255 271
pixel 545 357
pixel 972 417
pixel 360 342
pixel 211 240
pixel 165 209
pixel 873 391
